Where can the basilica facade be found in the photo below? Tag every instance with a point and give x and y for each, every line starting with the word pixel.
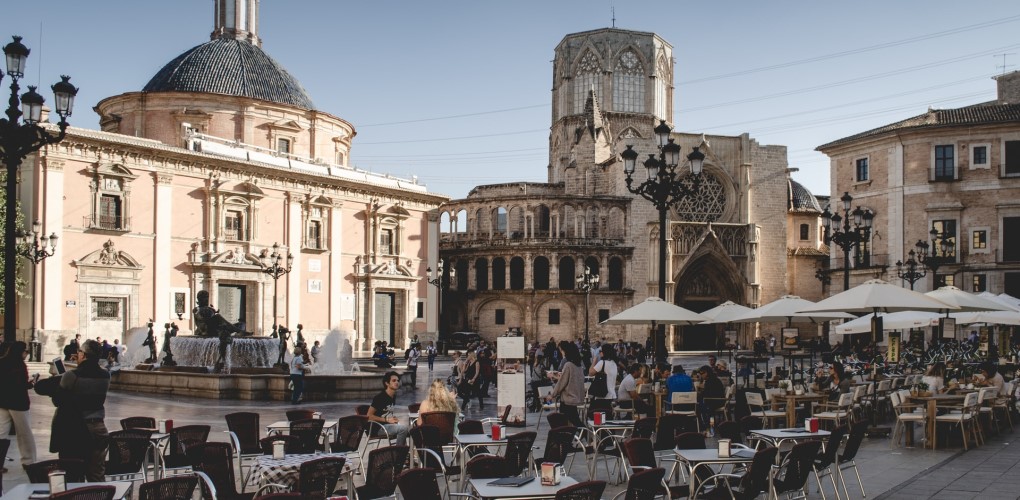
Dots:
pixel 518 249
pixel 195 181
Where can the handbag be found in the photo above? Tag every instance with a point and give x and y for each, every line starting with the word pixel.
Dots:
pixel 599 385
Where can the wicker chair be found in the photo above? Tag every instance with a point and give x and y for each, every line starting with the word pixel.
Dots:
pixel 729 430
pixel 308 433
pixel 473 427
pixel 361 409
pixel 430 453
pixel 181 440
pixel 148 423
pixel 413 407
pixel 216 460
pixel 293 415
pixel 557 419
pixel 644 427
pixel 587 490
pixel 827 457
pixel 291 444
pixel 420 484
pixel 74 470
pixel 317 478
pixel 795 469
pixel 487 467
pixel 641 456
pixel 384 465
pixel 443 420
pixel 87 493
pixel 518 453
pixel 127 454
pixel 171 488
pixel 747 486
pixel 644 485
pixel 243 428
pixel 559 445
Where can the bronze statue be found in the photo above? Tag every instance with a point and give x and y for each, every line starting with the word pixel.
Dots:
pixel 150 341
pixel 284 334
pixel 208 322
pixel 171 332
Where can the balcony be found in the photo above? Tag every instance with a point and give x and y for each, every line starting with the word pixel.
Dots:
pixel 464 241
pixel 108 222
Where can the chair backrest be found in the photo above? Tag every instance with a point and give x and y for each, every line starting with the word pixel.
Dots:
pixel 471 427
pixel 74 470
pixel 291 444
pixel 413 407
pixel 856 395
pixel 559 443
pixel 797 466
pixel 317 478
pixel 645 484
pixel 971 399
pixel 443 420
pixel 644 427
pixel 895 399
pixel 518 451
pixel 308 431
pixel 215 460
pixel 986 393
pixel 884 385
pixel 846 399
pixel 138 423
pixel 384 464
pixel 427 437
pixel 184 437
pixel 665 435
pixel 487 467
pixel 644 389
pixel 754 399
pixel 598 405
pixel 102 492
pixel 729 430
pixel 828 456
pixel 293 415
pixel 361 409
pixel 420 484
pixel 170 488
pixel 587 490
pixel 350 431
pixel 127 451
pixel 683 398
pixel 245 425
pixel 690 441
pixel 756 480
pixel 639 452
pixel 853 444
pixel 750 423
pixel 557 419
pixel 770 394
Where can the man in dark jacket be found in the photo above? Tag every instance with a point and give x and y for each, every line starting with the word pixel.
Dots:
pixel 78 430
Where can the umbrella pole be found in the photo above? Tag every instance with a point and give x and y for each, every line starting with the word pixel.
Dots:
pixel 874 430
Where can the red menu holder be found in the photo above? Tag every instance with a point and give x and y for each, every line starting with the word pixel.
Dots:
pixel 814 425
pixel 497 432
pixel 169 425
pixel 599 417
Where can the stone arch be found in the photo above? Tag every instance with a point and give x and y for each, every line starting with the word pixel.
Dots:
pixel 569 223
pixel 499 221
pixel 616 223
pixel 543 220
pixel 614 280
pixel 594 266
pixel 517 273
pixel 515 222
pixel 481 274
pixel 566 273
pixel 707 278
pixel 445 223
pixel 593 221
pixel 477 223
pixel 461 219
pixel 462 275
pixel 499 273
pixel 485 310
pixel 540 273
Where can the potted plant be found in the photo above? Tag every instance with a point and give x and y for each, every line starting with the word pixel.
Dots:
pixel 785 386
pixel 922 389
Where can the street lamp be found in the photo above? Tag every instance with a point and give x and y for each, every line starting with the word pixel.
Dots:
pixel 664 187
pixel 36 248
pixel 848 236
pixel 908 271
pixel 274 268
pixel 21 135
pixel 586 283
pixel 943 251
pixel 436 279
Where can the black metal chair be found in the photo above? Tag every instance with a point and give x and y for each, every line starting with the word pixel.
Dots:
pixel 518 453
pixel 847 459
pixel 827 458
pixel 640 455
pixel 748 486
pixel 293 415
pixel 384 465
pixel 317 478
pixel 291 444
pixel 308 433
pixel 420 484
pixel 729 430
pixel 39 472
pixel 244 431
pixel 181 440
pixel 430 453
pixel 216 461
pixel 587 490
pixel 559 445
pixel 795 469
pixel 487 467
pixel 557 419
pixel 127 451
pixel 146 423
pixel 644 427
pixel 87 493
pixel 170 488
pixel 644 485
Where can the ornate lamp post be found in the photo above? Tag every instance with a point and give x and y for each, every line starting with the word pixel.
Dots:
pixel 273 266
pixel 664 187
pixel 908 271
pixel 438 279
pixel 848 236
pixel 943 251
pixel 36 248
pixel 586 283
pixel 21 135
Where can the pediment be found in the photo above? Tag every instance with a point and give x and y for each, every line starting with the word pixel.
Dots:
pixel 391 268
pixel 109 256
pixel 115 170
pixel 247 189
pixel 236 256
pixel 285 124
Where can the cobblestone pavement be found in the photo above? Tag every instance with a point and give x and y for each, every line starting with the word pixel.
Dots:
pixel 991 471
pixel 883 468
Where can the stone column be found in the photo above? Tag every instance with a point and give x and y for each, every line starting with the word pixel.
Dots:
pixel 162 247
pixel 293 241
pixel 51 292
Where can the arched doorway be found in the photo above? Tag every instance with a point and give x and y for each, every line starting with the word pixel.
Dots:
pixel 702 285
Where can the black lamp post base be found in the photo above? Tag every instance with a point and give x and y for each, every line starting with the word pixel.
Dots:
pixel 876 431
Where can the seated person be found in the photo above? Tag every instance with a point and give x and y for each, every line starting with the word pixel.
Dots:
pixel 992 377
pixel 627 394
pixel 539 379
pixel 381 410
pixel 712 396
pixel 722 369
pixel 935 378
pixel 679 381
pixel 439 398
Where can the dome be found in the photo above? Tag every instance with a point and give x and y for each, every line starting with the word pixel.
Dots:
pixel 799 199
pixel 230 67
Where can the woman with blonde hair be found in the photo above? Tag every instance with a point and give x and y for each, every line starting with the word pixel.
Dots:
pixel 439 398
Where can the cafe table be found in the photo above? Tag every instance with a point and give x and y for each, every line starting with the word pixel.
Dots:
pixel 467 441
pixel 793 399
pixel 708 457
pixel 776 437
pixel 932 402
pixel 26 491
pixel 534 490
pixel 608 429
pixel 329 429
pixel 286 471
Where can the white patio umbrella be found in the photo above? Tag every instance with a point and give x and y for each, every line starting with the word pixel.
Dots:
pixel 1009 300
pixel 655 311
pixel 879 296
pixel 1009 317
pixel 787 309
pixel 725 312
pixel 901 320
pixel 966 301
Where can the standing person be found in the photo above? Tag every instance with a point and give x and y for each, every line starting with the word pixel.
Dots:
pixel 14 399
pixel 382 406
pixel 570 386
pixel 121 349
pixel 316 349
pixel 430 353
pixel 468 379
pixel 297 375
pixel 772 345
pixel 607 363
pixel 488 373
pixel 78 430
pixel 412 363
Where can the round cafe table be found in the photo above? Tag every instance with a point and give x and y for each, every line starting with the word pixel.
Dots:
pixel 267 470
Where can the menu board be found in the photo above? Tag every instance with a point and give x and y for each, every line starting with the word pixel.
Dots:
pixel 892 353
pixel 791 338
pixel 512 389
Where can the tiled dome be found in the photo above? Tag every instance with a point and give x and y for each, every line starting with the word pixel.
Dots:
pixel 799 199
pixel 230 67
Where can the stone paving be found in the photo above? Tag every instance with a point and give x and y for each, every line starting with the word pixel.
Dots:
pixel 885 469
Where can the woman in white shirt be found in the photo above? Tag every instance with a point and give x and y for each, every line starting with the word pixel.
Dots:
pixel 297 375
pixel 935 378
pixel 607 361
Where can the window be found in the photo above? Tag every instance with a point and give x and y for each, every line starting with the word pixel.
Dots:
pixel 862 254
pixel 979 156
pixel 1012 162
pixel 629 84
pixel 1011 240
pixel 500 316
pixel 421 310
pixel 946 228
pixel 587 77
pixel 942 280
pixel 111 191
pixel 316 216
pixel 554 316
pixel 978 283
pixel 805 230
pixel 106 309
pixel 283 146
pixel 979 239
pixel 110 214
pixel 945 168
pixel 603 315
pixel 340 158
pixel 233 226
pixel 386 242
pixel 862 170
pixel 314 237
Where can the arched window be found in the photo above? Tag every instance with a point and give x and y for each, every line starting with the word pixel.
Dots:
pixel 615 279
pixel 540 273
pixel 543 221
pixel 499 273
pixel 593 267
pixel 482 274
pixel 462 275
pixel 517 273
pixel 629 84
pixel 663 82
pixel 444 223
pixel 499 221
pixel 805 231
pixel 566 272
pixel 461 221
pixel 587 77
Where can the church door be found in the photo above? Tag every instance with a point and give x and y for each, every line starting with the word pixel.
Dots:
pixel 384 317
pixel 697 337
pixel 231 302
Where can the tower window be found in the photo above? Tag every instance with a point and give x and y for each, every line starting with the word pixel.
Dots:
pixel 283 146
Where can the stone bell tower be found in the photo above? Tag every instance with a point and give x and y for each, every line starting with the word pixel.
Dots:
pixel 237 19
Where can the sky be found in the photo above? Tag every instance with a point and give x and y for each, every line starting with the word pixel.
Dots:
pixel 457 93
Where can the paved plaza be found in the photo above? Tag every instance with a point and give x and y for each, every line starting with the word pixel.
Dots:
pixel 990 471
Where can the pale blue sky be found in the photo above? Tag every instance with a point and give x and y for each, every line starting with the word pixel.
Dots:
pixel 794 73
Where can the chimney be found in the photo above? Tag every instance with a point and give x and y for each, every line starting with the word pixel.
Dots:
pixel 1009 87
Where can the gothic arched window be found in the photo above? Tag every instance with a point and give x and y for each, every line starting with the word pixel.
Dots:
pixel 629 84
pixel 615 281
pixel 587 77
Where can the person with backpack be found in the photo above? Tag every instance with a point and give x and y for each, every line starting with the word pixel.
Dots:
pixel 430 351
pixel 412 363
